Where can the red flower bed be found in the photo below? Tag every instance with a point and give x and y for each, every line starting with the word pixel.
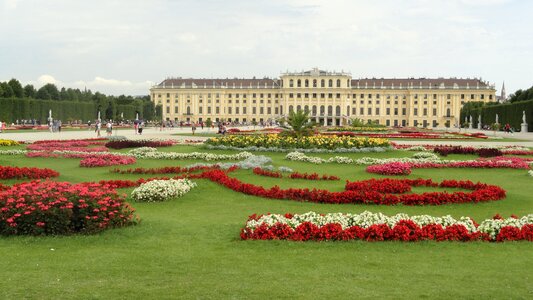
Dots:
pixel 263 172
pixel 410 135
pixel 312 176
pixel 47 207
pixel 294 175
pixel 71 145
pixel 394 168
pixel 137 143
pixel 7 172
pixel 164 170
pixel 374 191
pixel 106 160
pixel 482 152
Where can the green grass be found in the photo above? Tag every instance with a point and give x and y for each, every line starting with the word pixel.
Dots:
pixel 190 247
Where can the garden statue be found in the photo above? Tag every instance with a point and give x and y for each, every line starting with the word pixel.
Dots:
pixel 479 122
pixel 497 121
pixel 470 123
pixel 524 127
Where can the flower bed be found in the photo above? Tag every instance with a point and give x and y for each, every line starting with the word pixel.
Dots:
pixel 71 145
pixel 482 152
pixel 409 135
pixel 312 176
pixel 121 144
pixel 106 160
pixel 287 142
pixel 53 208
pixel 357 129
pixel 152 153
pixel 161 190
pixel 373 191
pixel 164 170
pixel 8 143
pixel 7 172
pixel 262 172
pixel 394 168
pixel 369 226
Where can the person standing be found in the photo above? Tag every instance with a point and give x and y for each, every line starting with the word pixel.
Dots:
pixel 193 127
pixel 109 128
pixel 59 124
pixel 1 124
pixel 98 127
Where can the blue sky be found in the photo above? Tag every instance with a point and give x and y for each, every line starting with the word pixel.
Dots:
pixel 117 46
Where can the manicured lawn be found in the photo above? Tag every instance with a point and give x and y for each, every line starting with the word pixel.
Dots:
pixel 190 247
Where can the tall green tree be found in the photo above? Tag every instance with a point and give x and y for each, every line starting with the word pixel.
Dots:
pixel 15 85
pixel 48 91
pixel 29 91
pixel 7 91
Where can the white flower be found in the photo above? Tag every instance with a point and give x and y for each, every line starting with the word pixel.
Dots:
pixel 161 190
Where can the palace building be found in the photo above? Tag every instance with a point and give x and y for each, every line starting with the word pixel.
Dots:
pixel 332 98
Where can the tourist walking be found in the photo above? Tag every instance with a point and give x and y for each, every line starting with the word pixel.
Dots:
pixel 59 124
pixel 193 127
pixel 1 124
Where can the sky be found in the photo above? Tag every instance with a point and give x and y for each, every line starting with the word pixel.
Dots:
pixel 124 47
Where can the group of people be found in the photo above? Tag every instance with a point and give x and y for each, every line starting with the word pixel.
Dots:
pixel 55 125
pixel 98 127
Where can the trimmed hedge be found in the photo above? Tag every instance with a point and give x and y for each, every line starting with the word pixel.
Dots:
pixel 507 113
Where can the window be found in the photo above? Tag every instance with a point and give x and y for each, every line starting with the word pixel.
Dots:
pixel 362 96
pixel 254 110
pixel 229 95
pixel 338 83
pixel 361 111
pixel 330 95
pixel 369 96
pixel 306 95
pixel 236 95
pixel 209 110
pixel 261 110
pixel 425 111
pixel 472 97
pixel 490 97
pixel 415 111
pixel 217 110
pixel 369 111
pixel 237 110
pixel 338 96
pixel 254 94
pixel 291 83
pixel 388 111
pixel 404 111
pixel 353 110
pixel 269 110
pixel 416 96
pixel 462 96
pixel 291 95
pixel 425 96
pixel 168 95
pixel 395 111
pixel 377 96
pixel 168 109
pixel 377 111
pixel 322 83
pixel 200 110
pixel 434 96
pixel 434 112
pixel 314 82
pixel 314 95
pixel 307 83
pixel 322 96
pixel 299 83
pixel 229 110
pixel 175 109
pixel 482 97
pixel 448 96
pixel 298 95
pixel 330 83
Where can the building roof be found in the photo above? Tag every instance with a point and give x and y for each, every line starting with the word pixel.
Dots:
pixel 419 83
pixel 217 83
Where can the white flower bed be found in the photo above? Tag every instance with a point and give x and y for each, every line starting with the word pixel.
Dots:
pixel 530 173
pixel 312 150
pixel 13 152
pixel 367 219
pixel 161 190
pixel 422 157
pixel 153 153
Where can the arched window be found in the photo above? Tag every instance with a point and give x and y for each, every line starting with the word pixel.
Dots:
pixel 281 109
pixel 188 110
pixel 307 83
pixel 348 110
pixel 291 83
pixel 338 110
pixel 448 114
pixel 299 82
pixel 348 83
pixel 306 108
pixel 330 83
pixel 291 108
pixel 314 110
pixel 314 82
pixel 330 110
pixel 322 109
pixel 298 108
pixel 338 83
pixel 322 83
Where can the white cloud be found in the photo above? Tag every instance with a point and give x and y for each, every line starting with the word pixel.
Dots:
pixel 45 78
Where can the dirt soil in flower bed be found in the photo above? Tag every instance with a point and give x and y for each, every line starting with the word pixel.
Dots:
pixel 190 247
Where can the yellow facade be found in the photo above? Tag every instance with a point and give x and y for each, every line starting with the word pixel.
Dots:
pixel 332 98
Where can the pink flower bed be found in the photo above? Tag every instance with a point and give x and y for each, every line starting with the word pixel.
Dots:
pixel 70 145
pixel 395 168
pixel 106 160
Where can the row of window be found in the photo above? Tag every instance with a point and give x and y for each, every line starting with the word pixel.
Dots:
pixel 216 110
pixel 315 83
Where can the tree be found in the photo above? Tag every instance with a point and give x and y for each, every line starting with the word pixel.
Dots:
pixel 299 124
pixel 29 91
pixel 208 123
pixel 48 91
pixel 7 91
pixel 16 87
